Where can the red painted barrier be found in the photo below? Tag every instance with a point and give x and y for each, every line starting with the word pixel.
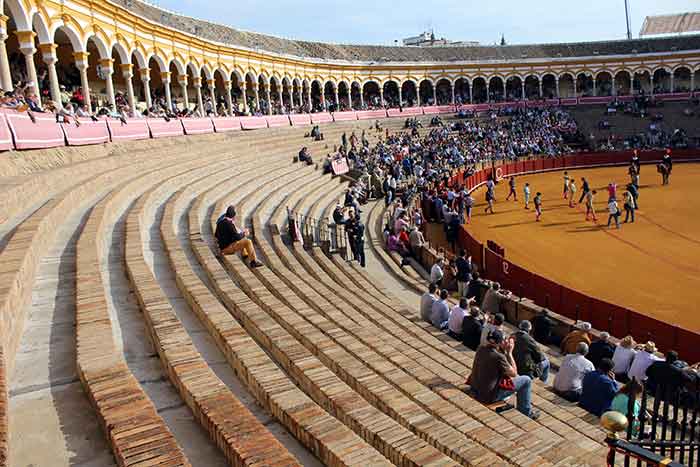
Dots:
pixel 430 110
pixel 197 126
pixel 224 124
pixel 5 135
pixel 45 133
pixel 274 121
pixel 344 116
pixel 595 100
pixel 253 123
pixel 134 129
pixel 89 132
pixel 446 109
pixel 568 101
pixel 300 119
pixel 679 96
pixel 370 114
pixel 322 117
pixel 161 128
pixel 405 112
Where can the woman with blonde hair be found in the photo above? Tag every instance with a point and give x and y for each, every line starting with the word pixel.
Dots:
pixel 623 357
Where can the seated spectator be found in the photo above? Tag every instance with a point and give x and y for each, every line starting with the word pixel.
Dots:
pixel 600 349
pixel 542 327
pixel 568 382
pixel 472 326
pixel 493 299
pixel 232 240
pixel 393 244
pixel 493 369
pixel 456 320
pixel 440 312
pixel 599 388
pixel 643 360
pixel 426 302
pixel 667 373
pixel 621 401
pixel 436 272
pixel 529 359
pixel 581 334
pixel 493 322
pixel 305 156
pixel 622 358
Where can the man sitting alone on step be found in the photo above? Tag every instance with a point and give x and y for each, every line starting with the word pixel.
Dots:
pixel 231 239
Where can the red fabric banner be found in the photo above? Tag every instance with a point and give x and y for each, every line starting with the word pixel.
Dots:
pixel 43 133
pixel 197 126
pixel 135 129
pixel 89 132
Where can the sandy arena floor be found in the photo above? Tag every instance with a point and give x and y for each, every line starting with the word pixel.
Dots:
pixel 651 266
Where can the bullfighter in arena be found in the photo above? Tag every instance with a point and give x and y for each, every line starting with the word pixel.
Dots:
pixel 538 206
pixel 566 184
pixel 526 194
pixel 590 208
pixel 511 185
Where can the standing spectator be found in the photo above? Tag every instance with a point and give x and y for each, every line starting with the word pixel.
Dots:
pixel 426 302
pixel 436 272
pixel 493 299
pixel 529 359
pixel 622 358
pixel 569 380
pixel 416 241
pixel 472 326
pixel 494 367
pixel 600 349
pixel 542 327
pixel 456 320
pixel 474 288
pixel 642 361
pixel 441 311
pixel 464 272
pixel 581 334
pixel 599 388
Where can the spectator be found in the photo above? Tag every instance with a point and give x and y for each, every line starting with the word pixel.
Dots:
pixel 493 299
pixel 475 287
pixel 436 272
pixel 600 349
pixel 472 327
pixel 622 358
pixel 599 388
pixel 416 240
pixel 542 327
pixel 568 382
pixel 669 374
pixel 456 320
pixel 493 322
pixel 494 370
pixel 426 302
pixel 464 273
pixel 621 401
pixel 569 344
pixel 642 360
pixel 440 312
pixel 232 240
pixel 529 359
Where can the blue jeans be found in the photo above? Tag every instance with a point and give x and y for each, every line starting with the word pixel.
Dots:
pixel 522 392
pixel 544 367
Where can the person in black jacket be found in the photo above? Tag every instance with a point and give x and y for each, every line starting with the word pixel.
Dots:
pixel 472 327
pixel 668 374
pixel 600 349
pixel 542 328
pixel 585 188
pixel 232 240
pixel 464 273
pixel 475 287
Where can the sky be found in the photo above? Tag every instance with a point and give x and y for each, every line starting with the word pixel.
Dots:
pixel 383 22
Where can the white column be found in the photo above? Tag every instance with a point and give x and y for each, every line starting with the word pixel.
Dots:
pixel 505 91
pixel 128 74
pixel 229 101
pixel 522 89
pixel 145 74
pixel 257 97
pixel 434 93
pixel 81 62
pixel 417 88
pixel 48 52
pixel 197 82
pixel 182 81
pixel 614 87
pixel 452 88
pixel 400 96
pixel 26 46
pixel 362 98
pixel 323 99
pixel 556 82
pixel 291 97
pixel 308 98
pixel 108 70
pixel 471 92
pixel 5 75
pixel 212 93
pixel 672 79
pixel 269 99
pixel 651 83
pixel 539 83
pixel 337 99
pixel 692 81
pixel 381 96
pixel 245 98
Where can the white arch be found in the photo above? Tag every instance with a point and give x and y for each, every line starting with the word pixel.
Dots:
pixel 19 14
pixel 140 59
pixel 102 48
pixel 41 29
pixel 181 69
pixel 122 52
pixel 69 31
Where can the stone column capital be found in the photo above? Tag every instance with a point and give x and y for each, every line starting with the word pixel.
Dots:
pixel 25 38
pixel 165 76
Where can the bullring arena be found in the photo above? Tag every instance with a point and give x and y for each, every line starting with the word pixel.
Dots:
pixel 205 256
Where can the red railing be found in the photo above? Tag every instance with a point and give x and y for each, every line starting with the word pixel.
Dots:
pixel 618 321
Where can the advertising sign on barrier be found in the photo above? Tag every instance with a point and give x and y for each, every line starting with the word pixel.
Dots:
pixel 161 128
pixel 89 132
pixel 135 129
pixel 340 166
pixel 42 133
pixel 321 117
pixel 224 124
pixel 300 119
pixel 197 126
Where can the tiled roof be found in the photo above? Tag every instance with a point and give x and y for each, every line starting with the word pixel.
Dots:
pixel 671 24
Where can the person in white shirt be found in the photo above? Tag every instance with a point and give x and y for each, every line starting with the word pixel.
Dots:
pixel 614 211
pixel 623 357
pixel 436 272
pixel 426 302
pixel 642 361
pixel 568 382
pixel 454 324
pixel 526 195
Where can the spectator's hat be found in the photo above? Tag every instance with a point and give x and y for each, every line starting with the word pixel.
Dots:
pixel 650 347
pixel 495 336
pixel 583 326
pixel 627 342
